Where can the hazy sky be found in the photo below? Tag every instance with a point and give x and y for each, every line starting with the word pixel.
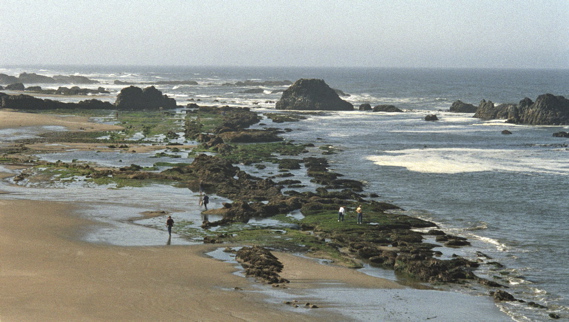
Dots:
pixel 371 33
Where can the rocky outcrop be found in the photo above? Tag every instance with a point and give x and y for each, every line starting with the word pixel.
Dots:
pixel 548 109
pixel 16 87
pixel 27 102
pixel 365 107
pixel 386 108
pixel 250 136
pixel 312 94
pixel 74 79
pixel 461 107
pixel 7 79
pixel 260 263
pixel 135 98
pixel 488 111
pixel 431 117
pixel 33 78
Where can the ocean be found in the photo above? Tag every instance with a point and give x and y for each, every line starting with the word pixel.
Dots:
pixel 505 193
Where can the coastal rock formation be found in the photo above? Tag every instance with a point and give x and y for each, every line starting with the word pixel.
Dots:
pixel 488 111
pixel 135 98
pixel 7 79
pixel 16 87
pixel 547 109
pixel 461 107
pixel 33 78
pixel 386 108
pixel 312 94
pixel 260 263
pixel 27 102
pixel 365 107
pixel 431 117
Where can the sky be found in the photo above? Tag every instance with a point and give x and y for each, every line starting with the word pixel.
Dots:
pixel 316 33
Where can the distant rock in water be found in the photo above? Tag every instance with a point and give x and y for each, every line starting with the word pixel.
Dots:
pixel 33 78
pixel 548 109
pixel 431 117
pixel 488 111
pixel 461 107
pixel 365 107
pixel 312 94
pixel 386 108
pixel 135 98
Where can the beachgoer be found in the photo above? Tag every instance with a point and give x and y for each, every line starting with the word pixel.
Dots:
pixel 169 224
pixel 205 201
pixel 360 213
pixel 341 213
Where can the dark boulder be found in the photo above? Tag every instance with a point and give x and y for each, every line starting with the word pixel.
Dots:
pixel 312 94
pixel 431 117
pixel 365 107
pixel 506 132
pixel 135 98
pixel 502 296
pixel 561 134
pixel 461 107
pixel 386 108
pixel 16 87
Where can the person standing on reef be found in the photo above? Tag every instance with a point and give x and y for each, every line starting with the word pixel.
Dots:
pixel 341 213
pixel 169 224
pixel 205 201
pixel 360 213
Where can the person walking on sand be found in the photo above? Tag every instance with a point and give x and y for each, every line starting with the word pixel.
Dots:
pixel 169 224
pixel 205 201
pixel 341 213
pixel 360 213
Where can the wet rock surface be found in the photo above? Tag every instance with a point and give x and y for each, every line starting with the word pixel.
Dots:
pixel 260 263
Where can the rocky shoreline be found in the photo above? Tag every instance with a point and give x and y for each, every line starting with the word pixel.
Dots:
pixel 386 240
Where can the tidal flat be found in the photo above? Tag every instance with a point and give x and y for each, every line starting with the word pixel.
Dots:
pixel 120 191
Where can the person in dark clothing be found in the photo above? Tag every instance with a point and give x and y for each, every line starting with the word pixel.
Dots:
pixel 169 224
pixel 205 201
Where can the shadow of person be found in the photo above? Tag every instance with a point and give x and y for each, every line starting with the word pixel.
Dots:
pixel 169 242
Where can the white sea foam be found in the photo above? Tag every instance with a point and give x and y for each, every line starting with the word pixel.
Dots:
pixel 462 160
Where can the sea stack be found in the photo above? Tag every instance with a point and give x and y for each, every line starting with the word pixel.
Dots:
pixel 135 98
pixel 312 94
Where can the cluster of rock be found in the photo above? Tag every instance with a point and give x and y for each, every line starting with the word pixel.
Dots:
pixel 32 78
pixel 312 94
pixel 62 90
pixel 260 263
pixel 27 102
pixel 547 109
pixel 135 98
pixel 379 108
pixel 130 98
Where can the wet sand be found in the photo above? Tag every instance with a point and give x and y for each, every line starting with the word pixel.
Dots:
pixel 9 119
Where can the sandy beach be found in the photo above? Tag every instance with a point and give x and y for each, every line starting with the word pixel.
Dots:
pixel 47 273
